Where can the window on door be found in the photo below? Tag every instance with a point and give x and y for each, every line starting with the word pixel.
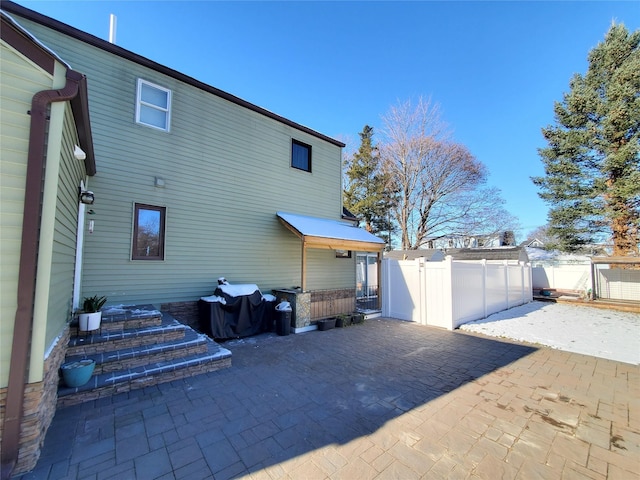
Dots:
pixel 367 281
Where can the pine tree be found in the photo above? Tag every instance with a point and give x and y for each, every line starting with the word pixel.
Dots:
pixel 366 192
pixel 592 161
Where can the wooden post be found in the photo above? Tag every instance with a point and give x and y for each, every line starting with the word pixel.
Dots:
pixel 303 272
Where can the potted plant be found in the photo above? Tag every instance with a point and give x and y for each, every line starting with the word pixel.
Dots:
pixel 90 317
pixel 77 373
pixel 357 318
pixel 343 320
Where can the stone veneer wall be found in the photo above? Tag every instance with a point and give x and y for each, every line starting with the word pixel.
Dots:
pixel 300 306
pixel 185 312
pixel 39 407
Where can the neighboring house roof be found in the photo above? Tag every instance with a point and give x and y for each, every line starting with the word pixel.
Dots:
pixel 127 54
pixel 494 254
pixel 325 233
pixel 535 242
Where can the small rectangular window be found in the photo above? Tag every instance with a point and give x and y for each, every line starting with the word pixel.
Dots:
pixel 148 232
pixel 301 155
pixel 153 105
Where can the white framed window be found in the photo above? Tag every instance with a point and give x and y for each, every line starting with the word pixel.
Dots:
pixel 153 105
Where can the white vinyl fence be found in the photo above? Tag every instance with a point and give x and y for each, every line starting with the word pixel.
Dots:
pixel 618 283
pixel 562 277
pixel 451 292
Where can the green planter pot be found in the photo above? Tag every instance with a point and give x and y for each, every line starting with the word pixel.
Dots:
pixel 76 374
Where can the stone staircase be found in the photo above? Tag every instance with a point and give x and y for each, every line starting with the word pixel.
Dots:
pixel 138 346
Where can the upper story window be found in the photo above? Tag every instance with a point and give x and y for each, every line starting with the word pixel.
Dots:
pixel 153 105
pixel 148 232
pixel 301 155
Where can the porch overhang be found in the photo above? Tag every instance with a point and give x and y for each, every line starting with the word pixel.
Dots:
pixel 332 234
pixel 322 233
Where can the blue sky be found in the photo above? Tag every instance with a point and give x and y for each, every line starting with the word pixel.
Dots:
pixel 495 68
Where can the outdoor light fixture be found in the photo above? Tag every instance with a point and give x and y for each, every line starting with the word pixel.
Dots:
pixel 86 196
pixel 79 153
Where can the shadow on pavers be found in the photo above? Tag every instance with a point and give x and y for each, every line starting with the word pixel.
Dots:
pixel 283 396
pixel 321 388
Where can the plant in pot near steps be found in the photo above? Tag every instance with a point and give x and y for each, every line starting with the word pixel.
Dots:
pixel 91 316
pixel 78 372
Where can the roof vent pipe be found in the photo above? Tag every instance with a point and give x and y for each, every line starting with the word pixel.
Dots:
pixel 113 26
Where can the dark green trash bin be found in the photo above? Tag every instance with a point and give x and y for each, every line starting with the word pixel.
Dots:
pixel 283 318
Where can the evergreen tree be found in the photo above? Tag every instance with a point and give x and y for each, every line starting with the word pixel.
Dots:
pixel 592 161
pixel 366 192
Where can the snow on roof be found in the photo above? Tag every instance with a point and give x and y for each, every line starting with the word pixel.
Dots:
pixel 33 38
pixel 322 227
pixel 542 255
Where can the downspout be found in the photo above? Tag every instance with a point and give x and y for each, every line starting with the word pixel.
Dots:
pixel 28 262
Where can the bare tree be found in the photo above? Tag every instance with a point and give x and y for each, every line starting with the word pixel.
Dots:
pixel 438 182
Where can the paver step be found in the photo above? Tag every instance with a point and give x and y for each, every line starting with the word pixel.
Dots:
pixel 111 383
pixel 105 341
pixel 116 319
pixel 114 360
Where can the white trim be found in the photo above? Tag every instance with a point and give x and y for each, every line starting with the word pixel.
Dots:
pixel 308 328
pixel 140 102
pixel 77 276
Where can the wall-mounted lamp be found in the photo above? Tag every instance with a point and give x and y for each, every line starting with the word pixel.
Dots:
pixel 159 182
pixel 86 196
pixel 79 153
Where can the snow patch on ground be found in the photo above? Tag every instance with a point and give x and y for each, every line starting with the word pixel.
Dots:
pixel 574 328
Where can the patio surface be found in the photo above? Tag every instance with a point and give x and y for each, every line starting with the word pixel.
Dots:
pixel 386 400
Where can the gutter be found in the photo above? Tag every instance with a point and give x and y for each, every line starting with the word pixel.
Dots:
pixel 76 83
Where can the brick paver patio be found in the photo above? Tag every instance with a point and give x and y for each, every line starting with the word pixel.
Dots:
pixel 385 400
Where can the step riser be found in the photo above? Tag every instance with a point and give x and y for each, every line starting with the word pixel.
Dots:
pixel 111 390
pixel 138 347
pixel 148 359
pixel 119 344
pixel 121 325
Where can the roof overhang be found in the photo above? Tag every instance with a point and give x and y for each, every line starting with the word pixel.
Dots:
pixel 331 234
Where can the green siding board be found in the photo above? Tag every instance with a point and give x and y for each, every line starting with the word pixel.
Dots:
pixel 227 171
pixel 19 80
pixel 71 171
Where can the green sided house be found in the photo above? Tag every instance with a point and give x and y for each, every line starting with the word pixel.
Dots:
pixel 171 186
pixel 47 157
